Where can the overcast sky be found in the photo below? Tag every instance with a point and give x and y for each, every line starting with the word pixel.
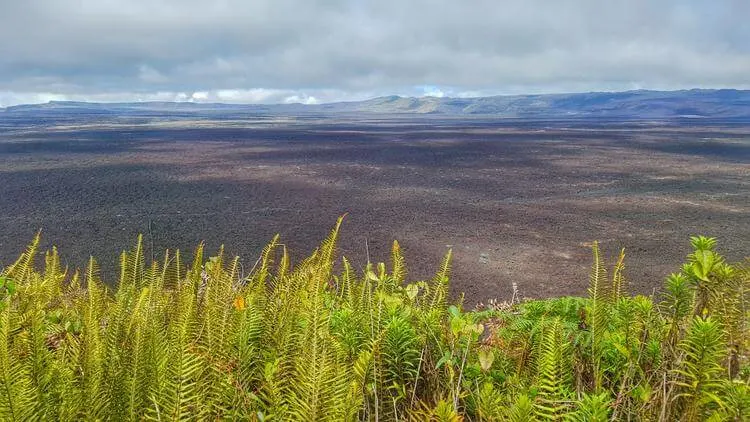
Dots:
pixel 321 51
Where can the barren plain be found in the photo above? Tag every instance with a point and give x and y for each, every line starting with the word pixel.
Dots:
pixel 517 201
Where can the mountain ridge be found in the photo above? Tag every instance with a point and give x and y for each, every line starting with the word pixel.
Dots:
pixel 693 103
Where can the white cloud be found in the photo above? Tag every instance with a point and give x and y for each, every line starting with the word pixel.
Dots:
pixel 257 95
pixel 230 96
pixel 291 50
pixel 199 96
pixel 433 91
pixel 301 99
pixel 12 98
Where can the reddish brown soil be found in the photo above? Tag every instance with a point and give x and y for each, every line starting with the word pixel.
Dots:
pixel 517 201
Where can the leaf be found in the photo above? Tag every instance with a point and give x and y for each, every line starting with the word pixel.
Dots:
pixel 371 276
pixel 453 311
pixel 476 329
pixel 486 358
pixel 457 325
pixel 703 262
pixel 443 360
pixel 412 291
pixel 622 349
pixel 8 283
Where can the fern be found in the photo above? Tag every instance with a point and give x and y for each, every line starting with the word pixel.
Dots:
pixel 398 264
pixel 16 400
pixel 618 279
pixel 522 410
pixel 439 287
pixel 700 369
pixel 207 341
pixel 593 408
pixel 600 298
pixel 400 351
pixel 489 404
pixel 553 374
pixel 23 268
pixel 319 387
pixel 92 353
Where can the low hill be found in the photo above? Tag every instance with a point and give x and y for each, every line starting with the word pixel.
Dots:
pixel 641 104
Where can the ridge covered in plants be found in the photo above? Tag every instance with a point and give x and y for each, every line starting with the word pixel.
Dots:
pixel 320 341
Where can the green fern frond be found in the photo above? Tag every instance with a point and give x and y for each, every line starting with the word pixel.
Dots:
pixel 398 264
pixel 327 250
pixel 439 286
pixel 20 270
pixel 553 374
pixel 319 386
pixel 16 398
pixel 522 410
pixel 618 279
pixel 135 264
pixel 598 289
pixel 593 408
pixel 260 277
pixel 488 403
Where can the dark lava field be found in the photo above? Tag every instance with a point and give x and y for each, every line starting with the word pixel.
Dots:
pixel 517 201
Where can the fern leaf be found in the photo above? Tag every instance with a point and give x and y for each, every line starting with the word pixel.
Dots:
pixel 439 288
pixel 618 279
pixel 398 264
pixel 20 270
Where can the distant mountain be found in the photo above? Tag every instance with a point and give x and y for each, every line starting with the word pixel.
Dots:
pixel 630 104
pixel 641 104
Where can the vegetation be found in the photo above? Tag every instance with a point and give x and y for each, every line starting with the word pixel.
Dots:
pixel 313 342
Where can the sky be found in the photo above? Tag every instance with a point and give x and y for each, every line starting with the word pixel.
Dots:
pixel 313 51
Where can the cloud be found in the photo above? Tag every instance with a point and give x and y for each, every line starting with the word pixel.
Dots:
pixel 150 75
pixel 304 99
pixel 229 96
pixel 258 95
pixel 292 50
pixel 199 96
pixel 433 91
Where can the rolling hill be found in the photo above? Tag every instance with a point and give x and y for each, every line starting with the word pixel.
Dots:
pixel 641 104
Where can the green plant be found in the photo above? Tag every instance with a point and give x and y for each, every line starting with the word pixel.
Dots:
pixel 184 341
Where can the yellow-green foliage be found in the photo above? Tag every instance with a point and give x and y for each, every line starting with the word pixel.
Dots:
pixel 205 341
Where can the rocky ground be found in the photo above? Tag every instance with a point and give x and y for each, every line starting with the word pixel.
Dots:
pixel 518 202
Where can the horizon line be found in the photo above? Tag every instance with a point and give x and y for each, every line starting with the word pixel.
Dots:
pixel 191 100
